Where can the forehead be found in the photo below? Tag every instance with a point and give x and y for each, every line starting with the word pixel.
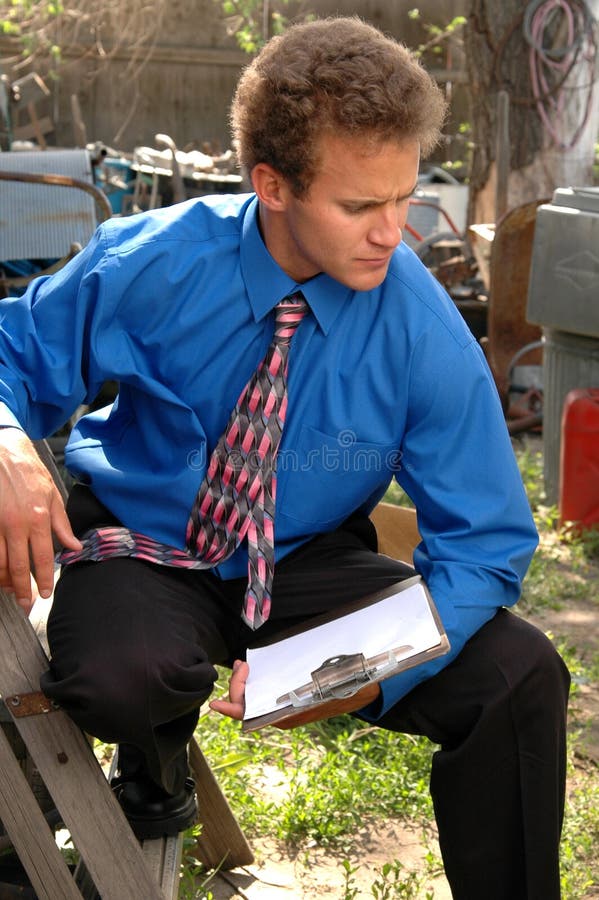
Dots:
pixel 348 164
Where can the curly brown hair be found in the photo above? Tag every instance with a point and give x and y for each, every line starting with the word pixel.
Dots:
pixel 336 75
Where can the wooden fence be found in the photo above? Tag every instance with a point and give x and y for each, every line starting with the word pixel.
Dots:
pixel 185 85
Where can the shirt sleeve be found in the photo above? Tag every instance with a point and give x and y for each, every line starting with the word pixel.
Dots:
pixel 45 371
pixel 478 534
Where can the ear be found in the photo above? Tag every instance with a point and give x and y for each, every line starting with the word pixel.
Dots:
pixel 270 187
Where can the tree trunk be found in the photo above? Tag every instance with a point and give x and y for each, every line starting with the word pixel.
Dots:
pixel 552 130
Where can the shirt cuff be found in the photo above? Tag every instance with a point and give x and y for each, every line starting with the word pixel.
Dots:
pixel 8 418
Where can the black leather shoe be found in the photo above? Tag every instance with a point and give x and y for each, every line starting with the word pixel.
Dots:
pixel 151 812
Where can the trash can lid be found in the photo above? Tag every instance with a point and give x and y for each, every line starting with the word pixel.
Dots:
pixel 583 198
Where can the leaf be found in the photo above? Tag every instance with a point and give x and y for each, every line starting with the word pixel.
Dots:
pixel 232 762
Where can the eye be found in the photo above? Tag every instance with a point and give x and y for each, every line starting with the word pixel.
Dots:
pixel 354 209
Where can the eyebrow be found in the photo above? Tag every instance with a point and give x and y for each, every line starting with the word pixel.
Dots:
pixel 410 193
pixel 378 201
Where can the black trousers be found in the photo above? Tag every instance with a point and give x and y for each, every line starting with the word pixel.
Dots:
pixel 133 649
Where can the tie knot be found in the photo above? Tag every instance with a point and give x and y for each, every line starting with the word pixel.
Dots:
pixel 288 314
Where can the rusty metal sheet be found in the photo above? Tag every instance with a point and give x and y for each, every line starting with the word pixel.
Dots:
pixel 508 329
pixel 39 221
pixel 30 704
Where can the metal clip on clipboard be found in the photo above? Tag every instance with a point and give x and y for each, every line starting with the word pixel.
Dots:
pixel 343 676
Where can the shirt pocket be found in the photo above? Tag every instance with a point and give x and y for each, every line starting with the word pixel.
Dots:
pixel 324 478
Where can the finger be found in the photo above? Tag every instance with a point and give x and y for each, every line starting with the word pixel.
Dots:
pixel 42 554
pixel 234 707
pixel 226 708
pixel 18 568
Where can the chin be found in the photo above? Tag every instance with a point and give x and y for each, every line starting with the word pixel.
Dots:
pixel 366 282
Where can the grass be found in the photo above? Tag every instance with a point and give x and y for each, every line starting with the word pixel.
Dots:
pixel 318 784
pixel 391 881
pixel 559 570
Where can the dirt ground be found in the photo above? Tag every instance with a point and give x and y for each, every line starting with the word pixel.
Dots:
pixel 278 874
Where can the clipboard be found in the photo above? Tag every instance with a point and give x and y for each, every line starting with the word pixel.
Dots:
pixel 343 676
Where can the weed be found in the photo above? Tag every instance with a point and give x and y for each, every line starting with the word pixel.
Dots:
pixel 579 865
pixel 530 463
pixel 558 571
pixel 392 882
pixel 350 891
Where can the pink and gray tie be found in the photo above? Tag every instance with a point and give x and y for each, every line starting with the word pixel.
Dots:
pixel 237 497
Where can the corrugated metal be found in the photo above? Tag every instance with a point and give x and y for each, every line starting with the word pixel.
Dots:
pixel 39 221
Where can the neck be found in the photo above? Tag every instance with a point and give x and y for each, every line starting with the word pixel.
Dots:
pixel 274 230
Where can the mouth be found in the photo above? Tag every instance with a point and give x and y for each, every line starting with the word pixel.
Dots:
pixel 375 261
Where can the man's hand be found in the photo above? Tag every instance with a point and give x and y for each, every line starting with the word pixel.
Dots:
pixel 234 707
pixel 31 508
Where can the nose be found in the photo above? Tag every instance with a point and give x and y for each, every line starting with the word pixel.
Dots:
pixel 385 231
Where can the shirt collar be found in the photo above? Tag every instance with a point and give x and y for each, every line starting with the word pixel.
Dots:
pixel 266 283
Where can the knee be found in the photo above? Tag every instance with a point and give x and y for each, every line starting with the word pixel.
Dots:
pixel 103 694
pixel 120 697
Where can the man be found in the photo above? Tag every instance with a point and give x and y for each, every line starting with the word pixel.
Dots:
pixel 373 374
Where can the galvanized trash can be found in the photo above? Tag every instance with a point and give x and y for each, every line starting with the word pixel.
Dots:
pixel 563 297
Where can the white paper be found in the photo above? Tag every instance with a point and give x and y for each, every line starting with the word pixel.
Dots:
pixel 403 618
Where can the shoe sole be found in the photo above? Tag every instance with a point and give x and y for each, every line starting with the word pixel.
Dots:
pixel 147 829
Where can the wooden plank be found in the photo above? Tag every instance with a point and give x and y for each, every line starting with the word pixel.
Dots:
pixel 163 861
pixel 165 54
pixel 71 773
pixel 502 154
pixel 31 129
pixel 163 858
pixel 397 530
pixel 33 118
pixel 222 842
pixel 29 832
pixel 79 131
pixel 172 853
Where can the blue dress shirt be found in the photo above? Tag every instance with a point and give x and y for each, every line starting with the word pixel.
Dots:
pixel 176 305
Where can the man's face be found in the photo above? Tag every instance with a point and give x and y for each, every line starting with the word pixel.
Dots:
pixel 351 219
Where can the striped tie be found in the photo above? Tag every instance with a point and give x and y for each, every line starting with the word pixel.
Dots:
pixel 237 497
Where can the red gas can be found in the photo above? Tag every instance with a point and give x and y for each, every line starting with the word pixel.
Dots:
pixel 579 459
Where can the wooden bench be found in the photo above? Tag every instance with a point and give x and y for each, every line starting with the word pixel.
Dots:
pixel 397 530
